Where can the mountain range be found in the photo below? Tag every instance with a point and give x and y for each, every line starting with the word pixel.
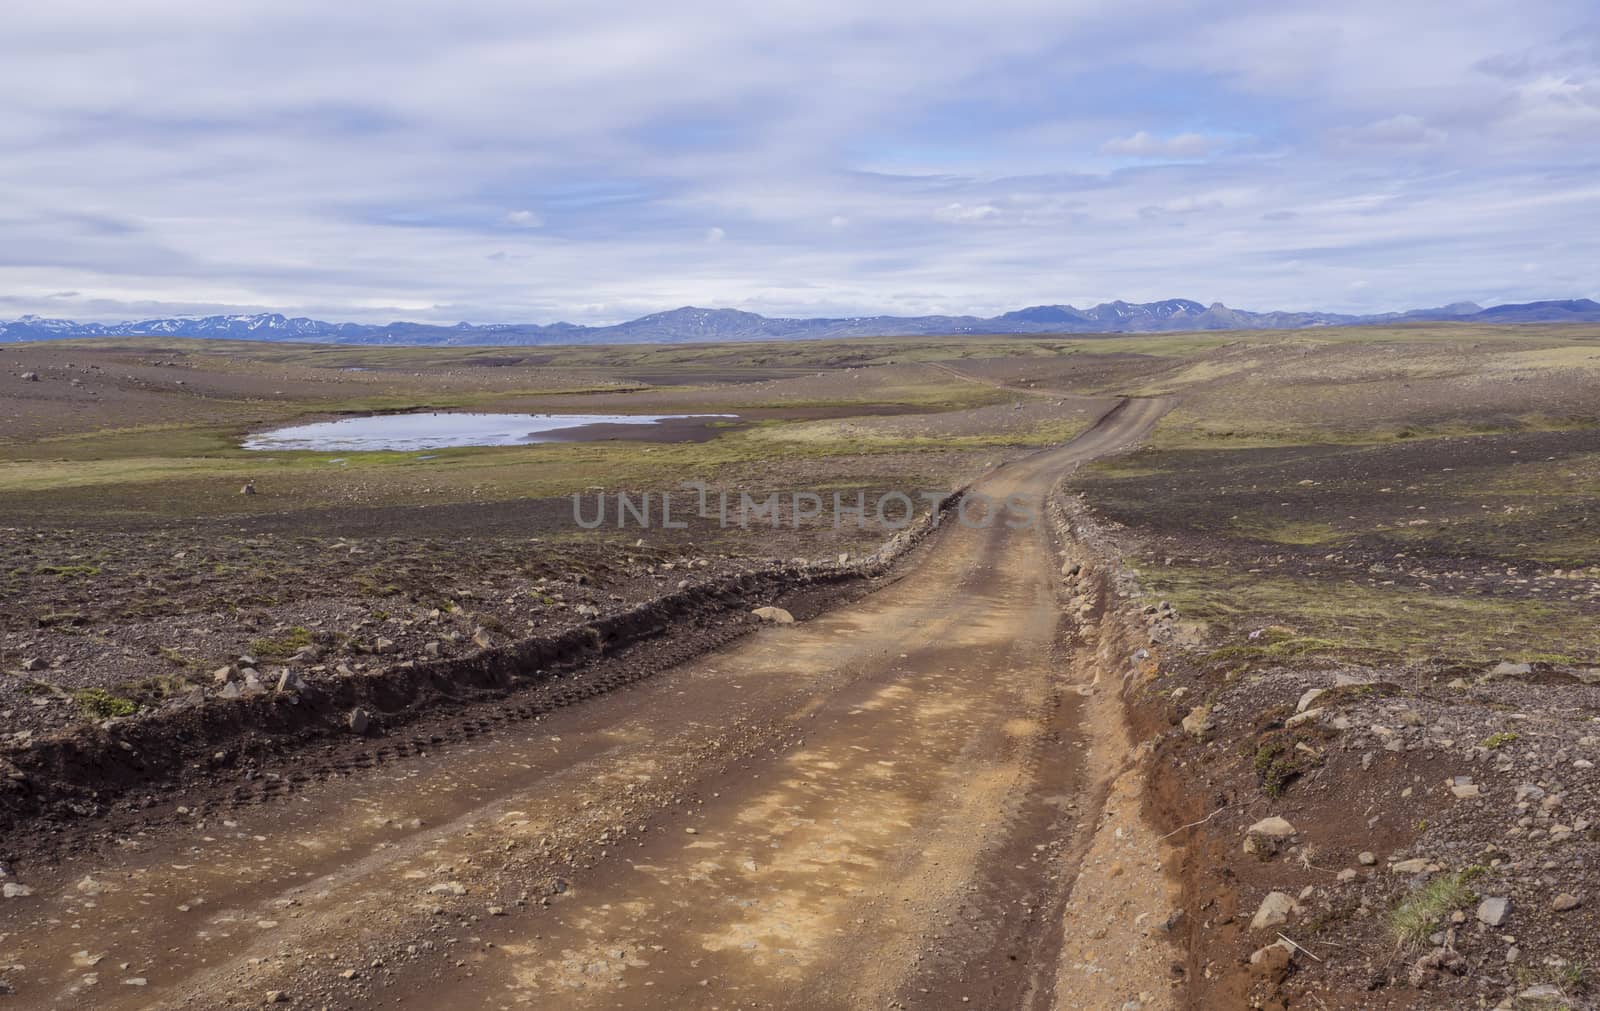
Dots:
pixel 691 324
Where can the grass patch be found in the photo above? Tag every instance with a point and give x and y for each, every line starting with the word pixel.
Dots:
pixel 1498 740
pixel 99 704
pixel 1371 622
pixel 1278 764
pixel 1421 912
pixel 284 645
pixel 1272 647
pixel 67 571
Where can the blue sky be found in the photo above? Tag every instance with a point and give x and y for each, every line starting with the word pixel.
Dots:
pixel 500 161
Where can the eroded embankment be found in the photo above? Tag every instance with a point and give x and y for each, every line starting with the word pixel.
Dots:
pixel 202 736
pixel 1123 944
pixel 1409 834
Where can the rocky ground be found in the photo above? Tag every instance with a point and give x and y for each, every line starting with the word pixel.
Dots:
pixel 1377 736
pixel 108 623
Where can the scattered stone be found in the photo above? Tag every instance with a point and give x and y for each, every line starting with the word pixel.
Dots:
pixel 1308 698
pixel 481 638
pixel 1267 836
pixel 1414 866
pixel 383 646
pixel 89 886
pixel 1198 723
pixel 448 888
pixel 773 616
pixel 277 997
pixel 1367 858
pixel 33 663
pixel 1542 993
pixel 1492 911
pixel 12 890
pixel 1274 911
pixel 1506 668
pixel 359 721
pixel 1301 718
pixel 1565 902
pixel 1434 964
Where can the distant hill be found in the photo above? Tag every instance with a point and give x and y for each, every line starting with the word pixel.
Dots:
pixel 691 324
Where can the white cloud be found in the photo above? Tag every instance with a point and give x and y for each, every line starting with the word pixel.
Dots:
pixel 1403 130
pixel 218 159
pixel 1146 145
pixel 959 212
pixel 715 235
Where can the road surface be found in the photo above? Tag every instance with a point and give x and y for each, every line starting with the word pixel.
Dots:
pixel 878 807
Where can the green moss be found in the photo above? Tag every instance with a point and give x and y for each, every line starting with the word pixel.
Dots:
pixel 281 646
pixel 99 704
pixel 1498 740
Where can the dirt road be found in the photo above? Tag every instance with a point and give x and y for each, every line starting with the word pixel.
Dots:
pixel 879 807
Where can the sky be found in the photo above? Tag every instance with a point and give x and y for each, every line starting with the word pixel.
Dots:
pixel 517 162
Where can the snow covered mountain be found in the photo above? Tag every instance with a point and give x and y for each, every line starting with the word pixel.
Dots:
pixel 694 324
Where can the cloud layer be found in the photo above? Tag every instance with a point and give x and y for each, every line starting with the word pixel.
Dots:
pixel 494 161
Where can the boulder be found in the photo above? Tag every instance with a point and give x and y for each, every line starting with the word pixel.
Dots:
pixel 1276 827
pixel 1267 836
pixel 1493 911
pixel 773 616
pixel 1274 911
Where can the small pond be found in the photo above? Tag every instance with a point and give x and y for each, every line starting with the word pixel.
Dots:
pixel 443 430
